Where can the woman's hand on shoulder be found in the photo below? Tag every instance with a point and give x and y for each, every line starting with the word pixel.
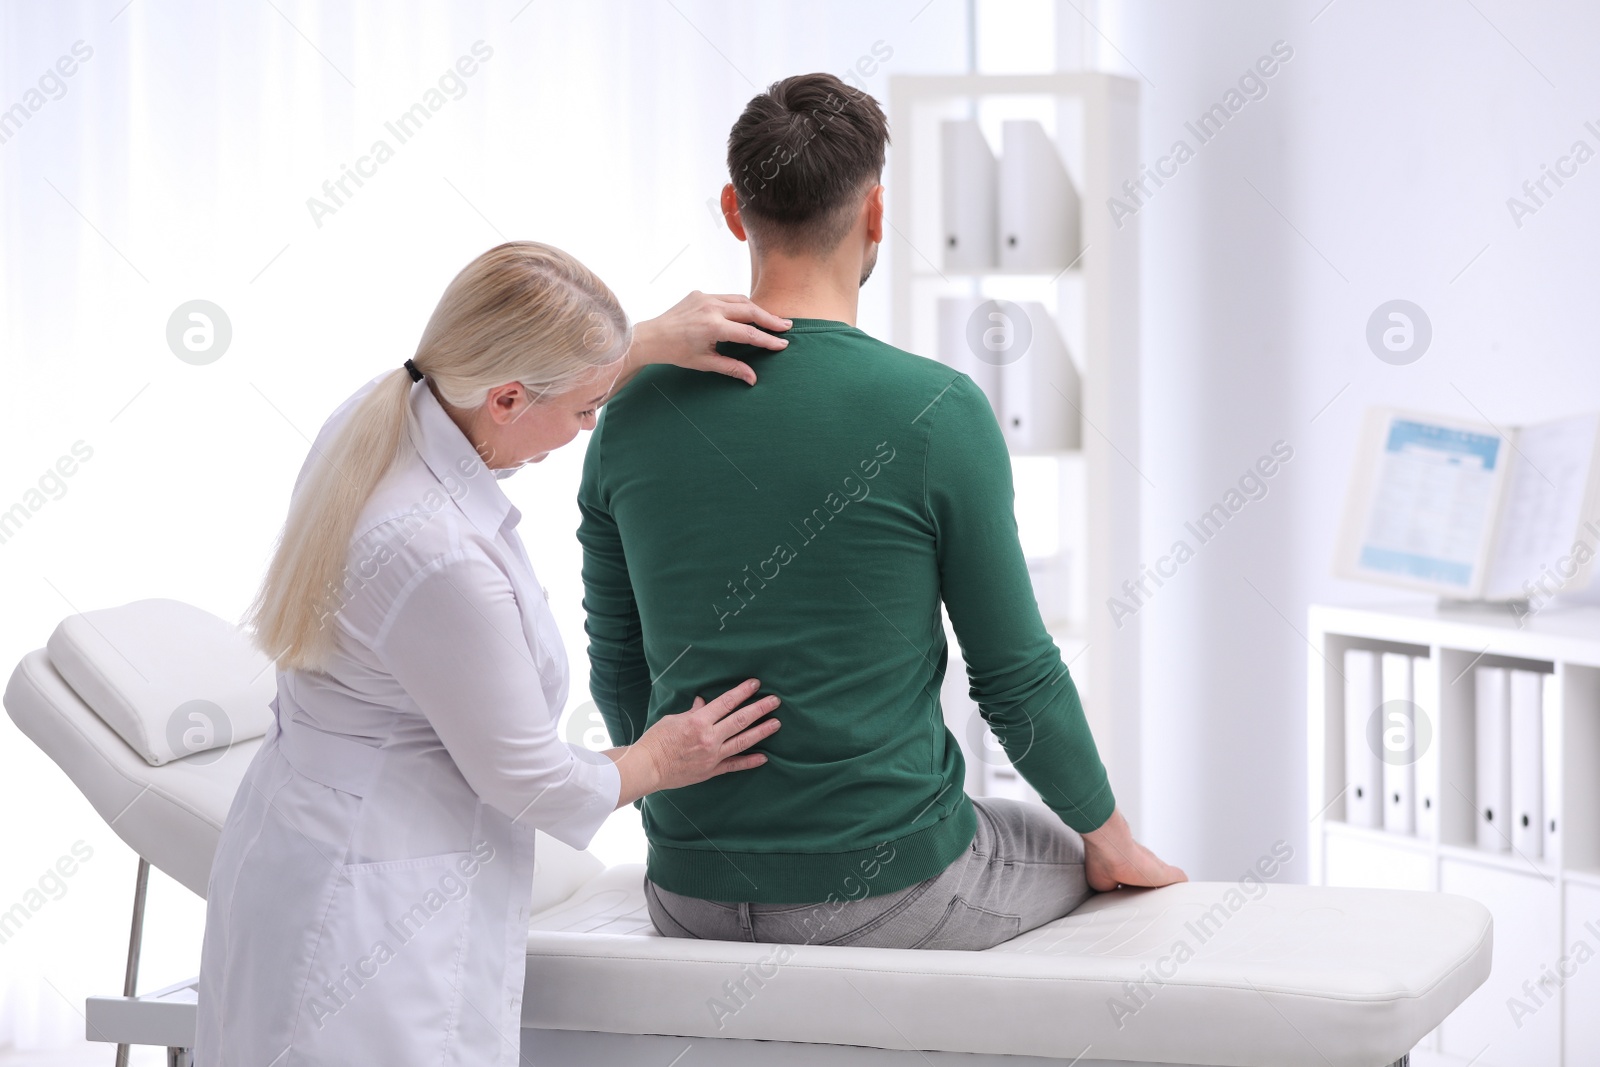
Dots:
pixel 686 335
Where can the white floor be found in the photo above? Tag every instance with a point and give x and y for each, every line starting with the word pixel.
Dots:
pixel 84 1054
pixel 94 1054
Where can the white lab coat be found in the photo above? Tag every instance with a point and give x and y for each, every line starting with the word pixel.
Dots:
pixel 369 900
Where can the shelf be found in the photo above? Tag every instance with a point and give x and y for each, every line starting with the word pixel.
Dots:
pixel 1076 85
pixel 1071 270
pixel 1574 876
pixel 1377 836
pixel 1360 857
pixel 1059 453
pixel 1505 861
pixel 1571 635
pixel 1534 899
pixel 1094 119
pixel 1508 861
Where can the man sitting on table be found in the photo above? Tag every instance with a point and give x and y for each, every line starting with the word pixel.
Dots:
pixel 806 532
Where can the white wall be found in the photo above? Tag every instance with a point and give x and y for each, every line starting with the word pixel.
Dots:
pixel 1381 161
pixel 176 163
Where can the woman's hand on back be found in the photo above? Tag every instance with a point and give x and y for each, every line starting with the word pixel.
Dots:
pixel 686 335
pixel 691 746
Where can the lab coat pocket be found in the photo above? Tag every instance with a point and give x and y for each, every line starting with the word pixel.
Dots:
pixel 385 980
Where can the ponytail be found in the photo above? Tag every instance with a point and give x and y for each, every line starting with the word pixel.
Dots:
pixel 522 311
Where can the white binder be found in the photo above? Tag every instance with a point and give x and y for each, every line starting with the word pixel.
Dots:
pixel 1041 394
pixel 1039 208
pixel 1425 686
pixel 1552 770
pixel 1492 719
pixel 1527 763
pixel 969 178
pixel 956 351
pixel 1363 770
pixel 1397 741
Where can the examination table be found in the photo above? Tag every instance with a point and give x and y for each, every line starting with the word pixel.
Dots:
pixel 1245 974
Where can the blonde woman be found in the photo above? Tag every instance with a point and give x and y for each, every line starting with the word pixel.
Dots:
pixel 370 896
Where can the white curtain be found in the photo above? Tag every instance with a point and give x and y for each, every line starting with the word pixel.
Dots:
pixel 175 162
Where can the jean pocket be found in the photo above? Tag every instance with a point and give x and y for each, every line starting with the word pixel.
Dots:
pixel 858 922
pixel 968 927
pixel 679 915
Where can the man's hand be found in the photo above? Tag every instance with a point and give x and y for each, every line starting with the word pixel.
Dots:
pixel 1112 858
pixel 687 335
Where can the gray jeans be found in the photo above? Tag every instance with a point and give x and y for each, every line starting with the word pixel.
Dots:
pixel 1024 868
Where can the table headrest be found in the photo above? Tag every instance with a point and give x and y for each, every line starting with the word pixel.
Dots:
pixel 170 679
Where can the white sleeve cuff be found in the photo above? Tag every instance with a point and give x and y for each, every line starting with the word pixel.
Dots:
pixel 594 789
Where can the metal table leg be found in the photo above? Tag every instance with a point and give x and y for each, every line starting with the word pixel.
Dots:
pixel 130 978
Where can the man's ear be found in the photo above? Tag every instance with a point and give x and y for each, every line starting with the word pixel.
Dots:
pixel 874 209
pixel 730 212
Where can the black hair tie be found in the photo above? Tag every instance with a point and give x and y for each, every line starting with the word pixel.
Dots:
pixel 411 369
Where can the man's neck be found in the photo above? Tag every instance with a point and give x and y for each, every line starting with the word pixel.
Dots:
pixel 804 288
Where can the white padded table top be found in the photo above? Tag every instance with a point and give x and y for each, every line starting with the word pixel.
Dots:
pixel 1300 977
pixel 1190 974
pixel 171 815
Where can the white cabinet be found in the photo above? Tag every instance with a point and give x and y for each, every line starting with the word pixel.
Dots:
pixel 1578 968
pixel 1541 1004
pixel 1509 1021
pixel 1361 858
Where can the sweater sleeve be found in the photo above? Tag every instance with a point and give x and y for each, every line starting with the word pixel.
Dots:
pixel 1022 688
pixel 619 677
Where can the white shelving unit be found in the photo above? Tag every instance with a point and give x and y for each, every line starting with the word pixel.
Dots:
pixel 1541 1004
pixel 1094 121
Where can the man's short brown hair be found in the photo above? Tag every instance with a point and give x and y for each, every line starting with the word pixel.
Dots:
pixel 800 157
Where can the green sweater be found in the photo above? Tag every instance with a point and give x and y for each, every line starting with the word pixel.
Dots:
pixel 804 532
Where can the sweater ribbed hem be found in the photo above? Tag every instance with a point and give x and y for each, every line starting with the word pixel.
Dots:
pixel 814 877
